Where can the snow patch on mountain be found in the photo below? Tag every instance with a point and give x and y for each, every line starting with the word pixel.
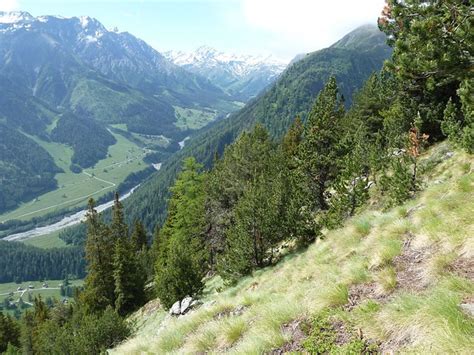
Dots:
pixel 238 64
pixel 243 76
pixel 15 17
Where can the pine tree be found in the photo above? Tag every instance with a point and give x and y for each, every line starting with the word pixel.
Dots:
pixel 9 332
pixel 129 277
pixel 99 283
pixel 451 125
pixel 182 257
pixel 432 54
pixel 139 237
pixel 321 150
pixel 296 201
pixel 350 189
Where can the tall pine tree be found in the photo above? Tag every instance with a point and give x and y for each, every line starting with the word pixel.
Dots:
pixel 182 259
pixel 99 283
pixel 129 277
pixel 321 148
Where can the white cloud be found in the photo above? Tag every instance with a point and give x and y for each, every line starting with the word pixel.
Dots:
pixel 307 25
pixel 9 5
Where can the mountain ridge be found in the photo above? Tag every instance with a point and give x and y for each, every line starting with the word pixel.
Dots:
pixel 243 76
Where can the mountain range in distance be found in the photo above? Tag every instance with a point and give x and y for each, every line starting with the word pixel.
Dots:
pixel 242 76
pixel 70 84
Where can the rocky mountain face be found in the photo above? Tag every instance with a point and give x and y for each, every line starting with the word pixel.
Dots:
pixel 242 76
pixel 77 41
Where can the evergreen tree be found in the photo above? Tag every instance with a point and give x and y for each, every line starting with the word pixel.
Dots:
pixel 258 228
pixel 451 125
pixel 129 277
pixel 432 55
pixel 321 149
pixel 350 189
pixel 139 237
pixel 297 202
pixel 99 282
pixel 9 332
pixel 182 257
pixel 252 155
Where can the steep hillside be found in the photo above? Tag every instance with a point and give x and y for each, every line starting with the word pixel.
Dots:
pixel 292 95
pixel 242 76
pixel 393 281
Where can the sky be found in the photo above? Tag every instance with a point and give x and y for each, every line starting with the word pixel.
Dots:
pixel 283 28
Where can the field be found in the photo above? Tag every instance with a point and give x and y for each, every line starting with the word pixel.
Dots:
pixel 52 291
pixel 10 291
pixel 124 158
pixel 46 241
pixel 193 119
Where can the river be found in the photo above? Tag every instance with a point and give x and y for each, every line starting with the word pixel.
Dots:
pixel 68 221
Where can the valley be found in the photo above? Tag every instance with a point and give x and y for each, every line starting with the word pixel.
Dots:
pixel 74 189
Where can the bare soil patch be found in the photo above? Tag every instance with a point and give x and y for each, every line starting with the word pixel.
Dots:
pixel 410 266
pixel 294 330
pixel 463 267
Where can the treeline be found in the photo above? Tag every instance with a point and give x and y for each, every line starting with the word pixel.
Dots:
pixel 19 263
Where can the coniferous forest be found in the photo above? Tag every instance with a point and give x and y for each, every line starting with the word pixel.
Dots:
pixel 265 191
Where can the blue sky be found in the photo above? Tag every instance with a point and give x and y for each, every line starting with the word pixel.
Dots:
pixel 283 28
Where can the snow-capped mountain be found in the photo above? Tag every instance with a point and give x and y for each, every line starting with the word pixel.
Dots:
pixel 243 76
pixel 119 56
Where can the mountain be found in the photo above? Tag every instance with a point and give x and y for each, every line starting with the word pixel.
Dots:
pixel 242 76
pixel 72 81
pixel 119 56
pixel 292 95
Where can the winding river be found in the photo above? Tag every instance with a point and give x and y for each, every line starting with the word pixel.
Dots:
pixel 68 221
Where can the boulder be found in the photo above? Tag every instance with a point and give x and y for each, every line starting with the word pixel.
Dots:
pixel 186 304
pixel 175 309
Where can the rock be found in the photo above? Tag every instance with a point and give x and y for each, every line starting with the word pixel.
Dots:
pixel 195 303
pixel 449 155
pixel 239 310
pixel 186 304
pixel 468 308
pixel 175 308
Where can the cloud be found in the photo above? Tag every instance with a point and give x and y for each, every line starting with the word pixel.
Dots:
pixel 308 25
pixel 9 5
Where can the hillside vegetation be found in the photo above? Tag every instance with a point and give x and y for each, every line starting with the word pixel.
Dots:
pixel 388 281
pixel 292 95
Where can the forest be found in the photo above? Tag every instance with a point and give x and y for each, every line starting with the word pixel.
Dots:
pixel 274 187
pixel 20 263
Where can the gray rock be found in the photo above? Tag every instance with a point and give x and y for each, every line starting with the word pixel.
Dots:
pixel 468 308
pixel 186 304
pixel 449 155
pixel 176 308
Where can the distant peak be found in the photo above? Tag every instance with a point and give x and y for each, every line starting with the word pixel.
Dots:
pixel 205 49
pixel 15 17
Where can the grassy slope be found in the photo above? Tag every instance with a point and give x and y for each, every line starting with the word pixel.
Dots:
pixel 398 276
pixel 74 189
pixel 47 241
